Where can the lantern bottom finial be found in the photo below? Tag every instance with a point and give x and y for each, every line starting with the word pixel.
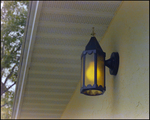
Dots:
pixel 92 90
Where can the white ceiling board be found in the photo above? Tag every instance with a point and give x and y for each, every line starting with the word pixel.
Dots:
pixel 63 30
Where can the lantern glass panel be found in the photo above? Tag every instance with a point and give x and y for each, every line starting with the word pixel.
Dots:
pixel 89 69
pixel 100 70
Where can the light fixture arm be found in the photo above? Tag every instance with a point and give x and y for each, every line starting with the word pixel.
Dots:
pixel 113 63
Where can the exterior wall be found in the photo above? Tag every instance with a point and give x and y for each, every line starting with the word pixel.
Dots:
pixel 127 94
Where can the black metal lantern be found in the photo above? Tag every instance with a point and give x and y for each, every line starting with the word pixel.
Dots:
pixel 93 68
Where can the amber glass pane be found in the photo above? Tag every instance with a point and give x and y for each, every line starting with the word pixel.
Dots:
pixel 81 71
pixel 89 69
pixel 100 70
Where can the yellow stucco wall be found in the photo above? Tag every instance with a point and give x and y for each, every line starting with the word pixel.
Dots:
pixel 127 94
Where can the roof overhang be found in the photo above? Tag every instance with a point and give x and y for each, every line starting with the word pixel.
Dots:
pixel 27 47
pixel 55 36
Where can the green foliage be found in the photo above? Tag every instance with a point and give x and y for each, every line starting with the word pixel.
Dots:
pixel 13 21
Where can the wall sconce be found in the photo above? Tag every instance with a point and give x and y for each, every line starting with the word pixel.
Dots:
pixel 93 68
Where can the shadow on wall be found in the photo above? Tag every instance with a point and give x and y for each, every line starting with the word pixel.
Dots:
pixel 115 79
pixel 115 92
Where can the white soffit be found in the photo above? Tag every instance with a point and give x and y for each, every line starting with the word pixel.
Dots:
pixel 63 30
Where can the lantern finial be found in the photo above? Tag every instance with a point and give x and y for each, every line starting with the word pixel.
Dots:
pixel 93 34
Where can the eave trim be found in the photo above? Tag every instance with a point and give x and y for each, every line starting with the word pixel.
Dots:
pixel 27 47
